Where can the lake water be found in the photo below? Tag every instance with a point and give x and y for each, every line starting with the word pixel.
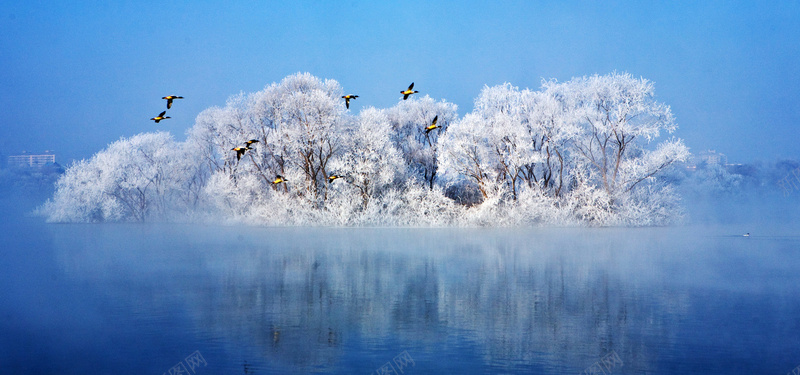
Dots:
pixel 143 299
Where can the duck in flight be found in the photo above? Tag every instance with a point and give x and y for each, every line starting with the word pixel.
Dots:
pixel 160 117
pixel 432 125
pixel 278 179
pixel 333 177
pixel 250 142
pixel 347 100
pixel 240 151
pixel 170 98
pixel 409 91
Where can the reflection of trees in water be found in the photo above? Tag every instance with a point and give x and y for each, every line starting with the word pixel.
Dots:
pixel 548 301
pixel 301 307
pixel 520 306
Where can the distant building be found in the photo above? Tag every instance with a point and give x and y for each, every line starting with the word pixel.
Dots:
pixel 31 160
pixel 708 158
pixel 711 157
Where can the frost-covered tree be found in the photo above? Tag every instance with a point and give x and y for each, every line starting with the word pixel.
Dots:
pixel 464 153
pixel 499 121
pixel 618 115
pixel 552 127
pixel 134 179
pixel 371 162
pixel 300 124
pixel 409 120
pixel 80 196
pixel 582 144
pixel 311 126
pixel 512 137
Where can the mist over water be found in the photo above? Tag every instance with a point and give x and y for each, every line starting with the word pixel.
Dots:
pixel 140 298
pixel 767 213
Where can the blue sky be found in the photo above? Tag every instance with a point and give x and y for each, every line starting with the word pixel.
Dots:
pixel 75 76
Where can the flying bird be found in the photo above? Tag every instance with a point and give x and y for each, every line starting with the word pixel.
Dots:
pixel 432 125
pixel 278 179
pixel 170 98
pixel 160 117
pixel 240 151
pixel 333 177
pixel 347 100
pixel 409 91
pixel 250 142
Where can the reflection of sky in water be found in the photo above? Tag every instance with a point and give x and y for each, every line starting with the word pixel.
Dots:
pixel 140 298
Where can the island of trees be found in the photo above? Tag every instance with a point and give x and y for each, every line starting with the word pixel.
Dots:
pixel 582 152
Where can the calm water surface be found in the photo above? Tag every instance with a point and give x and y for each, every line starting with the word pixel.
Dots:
pixel 140 299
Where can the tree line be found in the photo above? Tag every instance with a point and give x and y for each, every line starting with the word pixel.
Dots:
pixel 578 152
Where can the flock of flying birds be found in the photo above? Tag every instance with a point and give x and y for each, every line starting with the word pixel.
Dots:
pixel 169 99
pixel 278 178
